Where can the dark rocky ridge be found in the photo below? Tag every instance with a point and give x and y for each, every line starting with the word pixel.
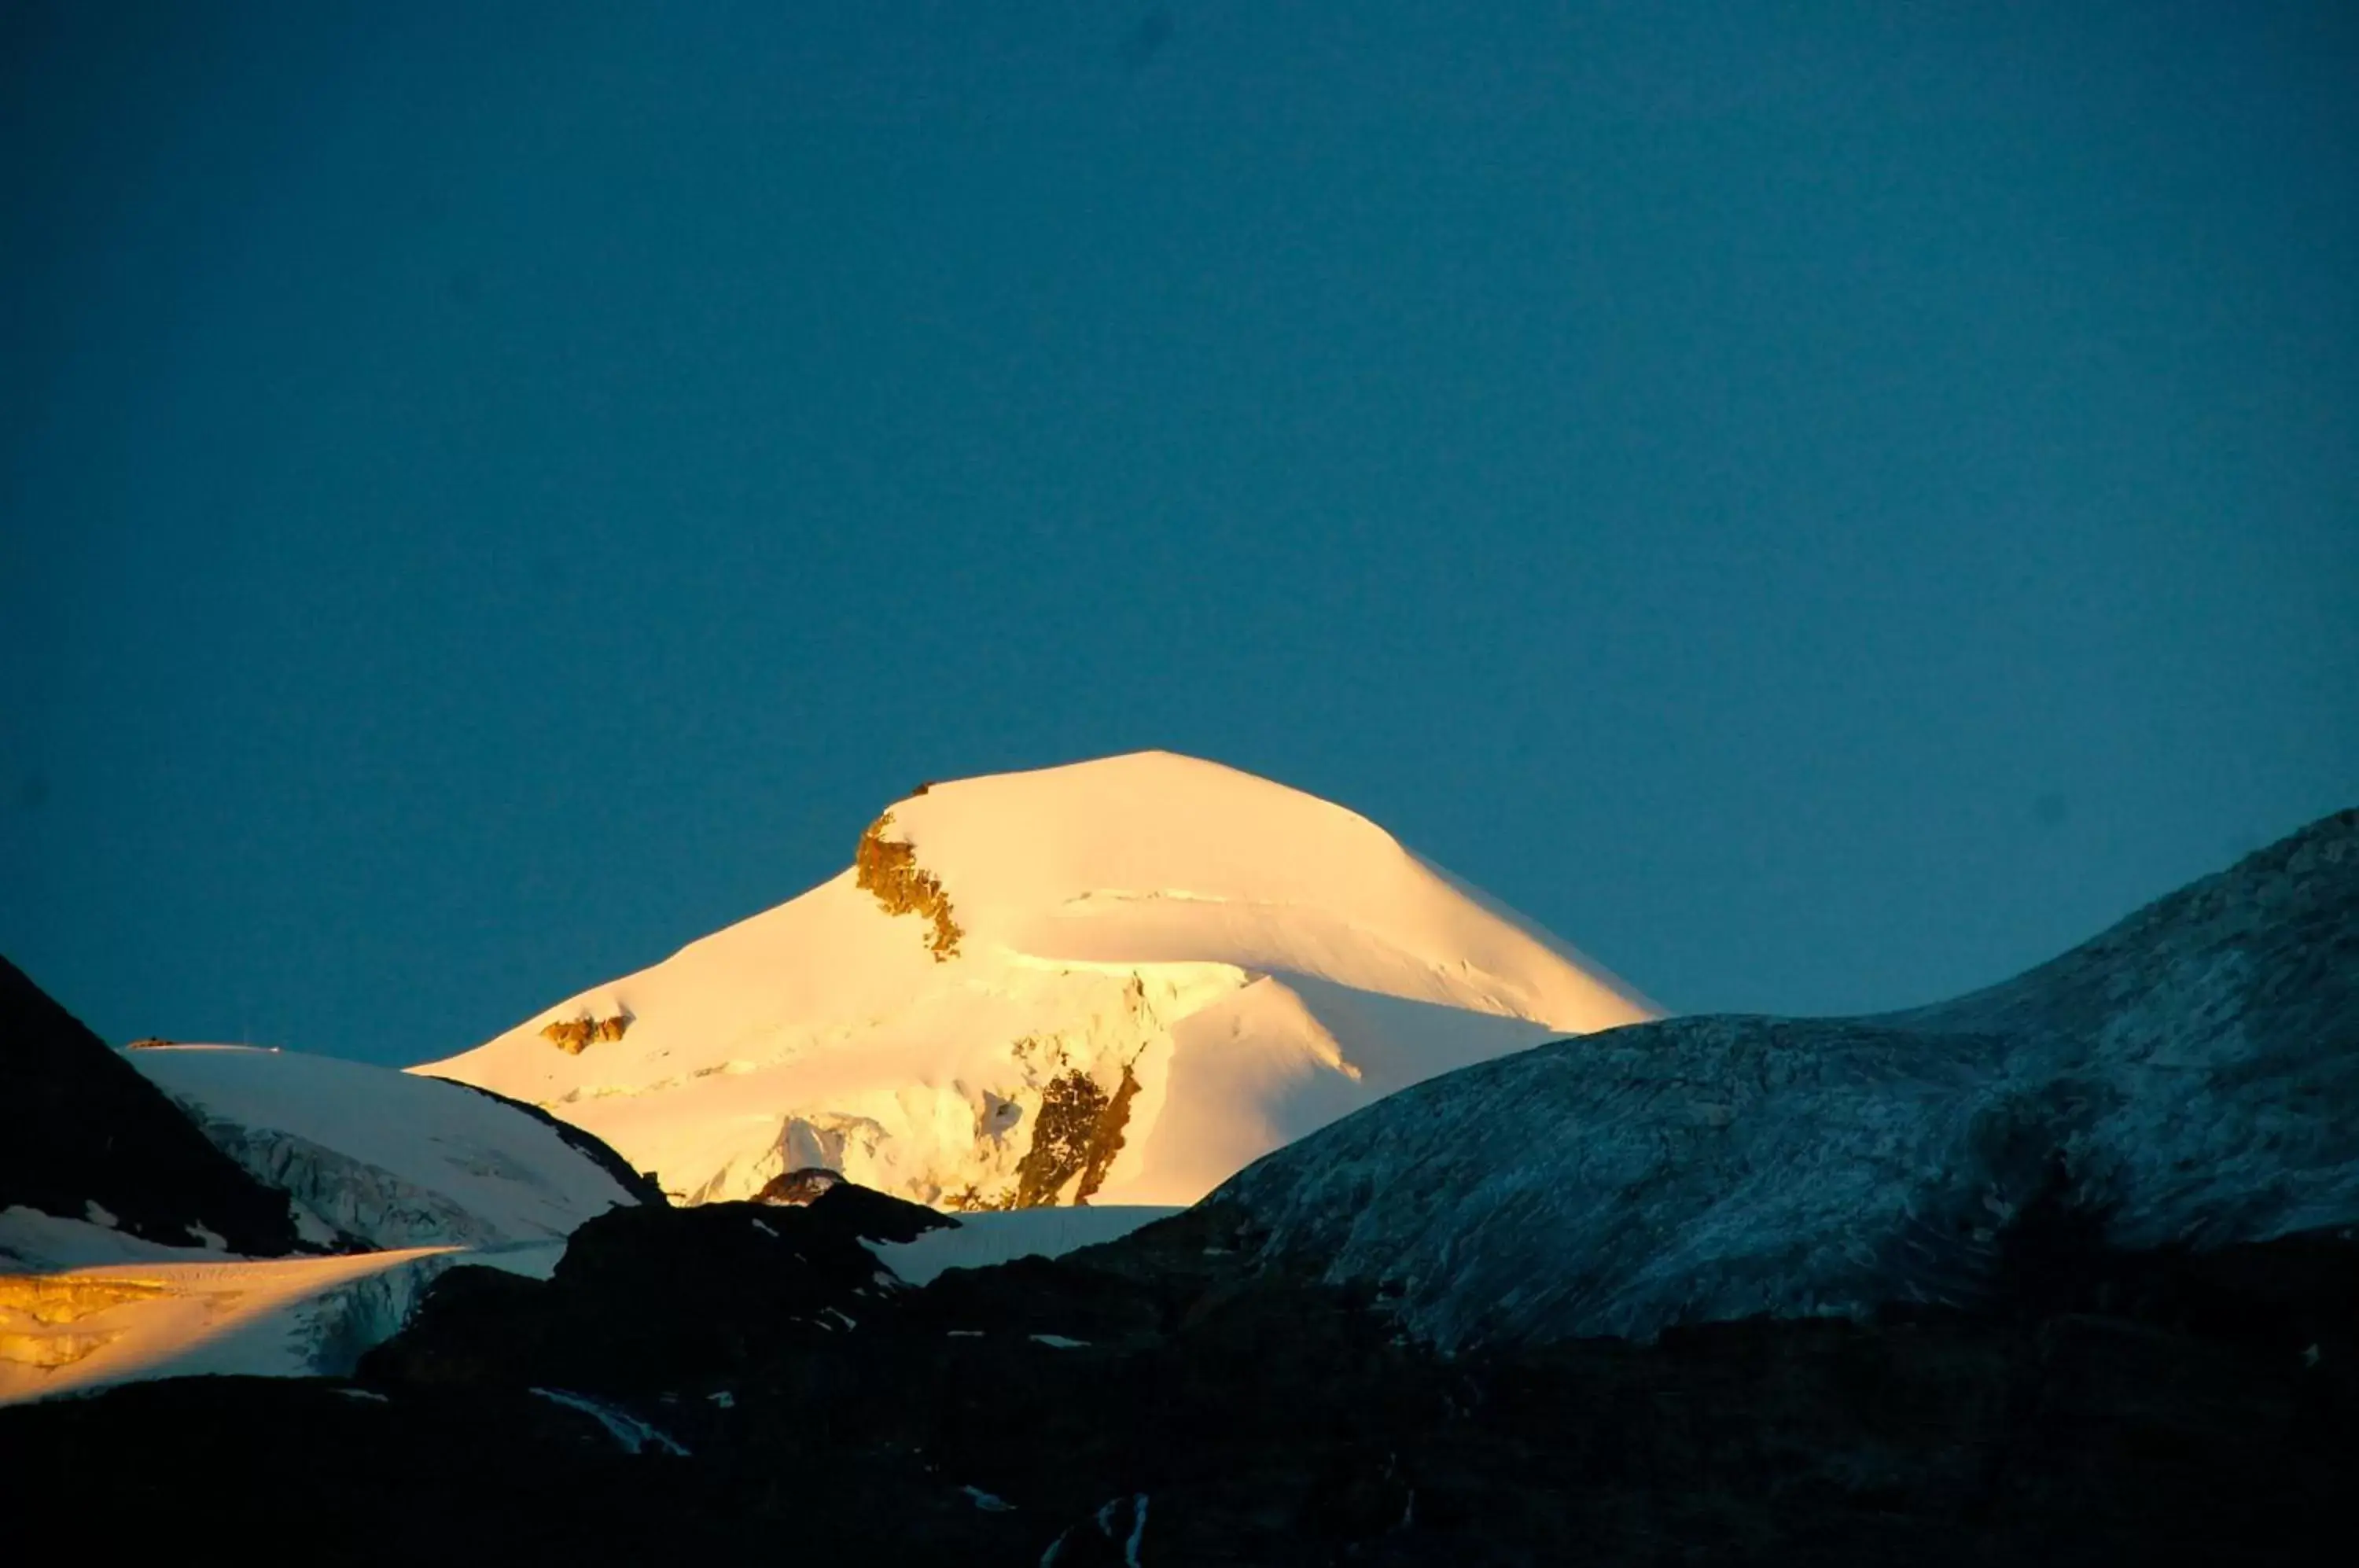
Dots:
pixel 78 1125
pixel 649 1298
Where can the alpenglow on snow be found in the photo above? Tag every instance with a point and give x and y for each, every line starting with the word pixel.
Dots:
pixel 1117 982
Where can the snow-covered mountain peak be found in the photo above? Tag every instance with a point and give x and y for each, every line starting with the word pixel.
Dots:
pixel 1119 979
pixel 1155 857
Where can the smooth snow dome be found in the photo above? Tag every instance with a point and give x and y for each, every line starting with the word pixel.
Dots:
pixel 1173 966
pixel 389 1158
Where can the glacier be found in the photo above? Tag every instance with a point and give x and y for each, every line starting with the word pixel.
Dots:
pixel 374 1157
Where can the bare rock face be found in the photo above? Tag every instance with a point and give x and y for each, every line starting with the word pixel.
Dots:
pixel 1078 1133
pixel 83 1135
pixel 888 868
pixel 573 1036
pixel 798 1188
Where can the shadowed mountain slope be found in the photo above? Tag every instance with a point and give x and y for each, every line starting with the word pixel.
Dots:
pixel 2189 1077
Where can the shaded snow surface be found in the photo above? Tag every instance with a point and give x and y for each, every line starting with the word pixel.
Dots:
pixel 386 1158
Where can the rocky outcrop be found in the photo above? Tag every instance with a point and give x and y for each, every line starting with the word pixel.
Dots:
pixel 666 1297
pixel 573 1036
pixel 797 1188
pixel 1076 1133
pixel 82 1134
pixel 888 870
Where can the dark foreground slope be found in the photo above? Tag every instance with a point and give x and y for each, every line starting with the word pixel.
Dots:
pixel 2059 1274
pixel 78 1126
pixel 734 1381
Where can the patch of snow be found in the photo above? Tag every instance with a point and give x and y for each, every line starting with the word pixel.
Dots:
pixel 369 1394
pixel 310 1228
pixel 724 1398
pixel 209 1239
pixel 630 1433
pixel 97 1213
pixel 1058 1342
pixel 1258 962
pixel 982 1240
pixel 986 1502
pixel 1137 1530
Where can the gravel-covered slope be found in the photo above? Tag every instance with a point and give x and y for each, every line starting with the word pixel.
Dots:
pixel 2189 1076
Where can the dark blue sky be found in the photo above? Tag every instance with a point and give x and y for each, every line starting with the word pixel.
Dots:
pixel 1822 509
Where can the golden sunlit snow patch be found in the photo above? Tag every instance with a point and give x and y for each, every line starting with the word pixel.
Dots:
pixel 87 1328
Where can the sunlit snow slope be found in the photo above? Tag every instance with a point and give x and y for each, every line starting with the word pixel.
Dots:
pixel 185 1312
pixel 62 1333
pixel 1115 982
